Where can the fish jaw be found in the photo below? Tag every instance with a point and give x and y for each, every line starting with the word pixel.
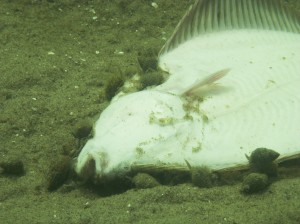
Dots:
pixel 91 161
pixel 95 162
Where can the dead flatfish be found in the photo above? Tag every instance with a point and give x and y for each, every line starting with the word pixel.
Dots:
pixel 233 86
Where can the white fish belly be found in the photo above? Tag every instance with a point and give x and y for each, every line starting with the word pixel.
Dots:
pixel 261 103
pixel 259 107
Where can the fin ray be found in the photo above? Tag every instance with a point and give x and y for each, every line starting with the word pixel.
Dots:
pixel 217 15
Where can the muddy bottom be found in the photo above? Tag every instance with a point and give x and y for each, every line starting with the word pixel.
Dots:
pixel 55 60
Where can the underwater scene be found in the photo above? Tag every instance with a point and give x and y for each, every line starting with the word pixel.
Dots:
pixel 184 136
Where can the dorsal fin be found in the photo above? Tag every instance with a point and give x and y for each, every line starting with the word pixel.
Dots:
pixel 217 15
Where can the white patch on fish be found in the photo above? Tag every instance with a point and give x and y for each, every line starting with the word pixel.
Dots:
pixel 257 44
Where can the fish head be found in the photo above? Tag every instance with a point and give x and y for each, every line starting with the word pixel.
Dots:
pixel 138 127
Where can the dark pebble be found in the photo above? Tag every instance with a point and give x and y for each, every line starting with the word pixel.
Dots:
pixel 15 167
pixel 262 160
pixel 201 177
pixel 143 181
pixel 82 129
pixel 263 155
pixel 58 173
pixel 151 79
pixel 254 182
pixel 112 86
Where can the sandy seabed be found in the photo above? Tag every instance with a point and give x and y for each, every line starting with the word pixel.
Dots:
pixel 55 57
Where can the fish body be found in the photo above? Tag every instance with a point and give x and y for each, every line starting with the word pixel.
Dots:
pixel 234 86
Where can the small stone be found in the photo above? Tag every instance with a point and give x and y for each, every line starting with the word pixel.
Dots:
pixel 254 182
pixel 82 129
pixel 14 167
pixel 263 155
pixel 147 60
pixel 113 85
pixel 262 160
pixel 154 5
pixel 144 180
pixel 151 79
pixel 58 173
pixel 201 177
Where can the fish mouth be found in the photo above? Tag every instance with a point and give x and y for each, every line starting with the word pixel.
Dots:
pixel 95 165
pixel 88 170
pixel 91 162
pixel 92 172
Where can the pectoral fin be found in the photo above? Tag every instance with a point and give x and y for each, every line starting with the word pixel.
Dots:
pixel 208 85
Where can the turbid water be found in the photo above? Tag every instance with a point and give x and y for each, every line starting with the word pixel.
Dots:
pixel 55 58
